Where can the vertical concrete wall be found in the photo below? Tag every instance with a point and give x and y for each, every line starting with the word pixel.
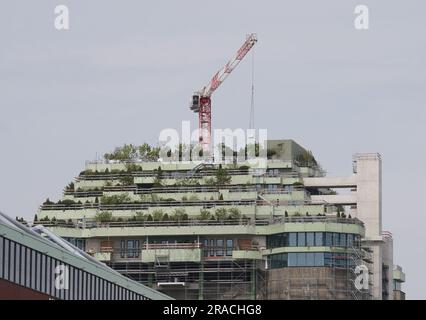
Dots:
pixel 369 193
pixel 369 210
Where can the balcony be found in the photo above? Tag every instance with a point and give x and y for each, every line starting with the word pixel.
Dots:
pixel 247 254
pixel 102 256
pixel 174 252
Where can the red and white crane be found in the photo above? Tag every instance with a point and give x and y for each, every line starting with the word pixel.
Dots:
pixel 201 100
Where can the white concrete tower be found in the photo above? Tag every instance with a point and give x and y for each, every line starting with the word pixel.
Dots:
pixel 368 170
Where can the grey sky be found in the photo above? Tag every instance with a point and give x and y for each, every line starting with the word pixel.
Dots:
pixel 127 69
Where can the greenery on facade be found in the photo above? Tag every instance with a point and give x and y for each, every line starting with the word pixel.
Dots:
pixel 157 215
pixel 115 199
pixel 126 180
pixel 130 152
pixel 70 187
pixel 221 213
pixel 104 216
pixel 205 214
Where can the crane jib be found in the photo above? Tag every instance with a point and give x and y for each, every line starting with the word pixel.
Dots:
pixel 201 102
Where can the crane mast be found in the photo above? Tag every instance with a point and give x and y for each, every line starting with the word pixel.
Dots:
pixel 201 100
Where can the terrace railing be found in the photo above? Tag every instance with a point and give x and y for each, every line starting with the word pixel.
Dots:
pixel 197 222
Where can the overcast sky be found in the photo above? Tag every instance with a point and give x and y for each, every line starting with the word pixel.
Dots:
pixel 126 69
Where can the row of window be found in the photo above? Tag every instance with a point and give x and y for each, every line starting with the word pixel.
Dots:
pixel 313 239
pixel 218 247
pixel 129 249
pixel 35 270
pixel 78 242
pixel 309 259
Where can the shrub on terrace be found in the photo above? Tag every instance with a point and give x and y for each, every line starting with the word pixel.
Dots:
pixel 130 152
pixel 103 216
pixel 204 214
pixel 115 199
pixel 47 202
pixel 157 215
pixel 126 180
pixel 67 202
pixel 221 213
pixel 139 216
pixel 70 186
pixel 132 167
pixel 179 215
pixel 222 176
pixel 234 213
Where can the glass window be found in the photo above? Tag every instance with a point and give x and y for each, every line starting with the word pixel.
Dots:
pixel 129 249
pixel 310 259
pixel 293 239
pixel 206 246
pixel 301 239
pixel 284 240
pixel 229 247
pixel 350 241
pixel 292 259
pixel 327 259
pixel 310 240
pixel 278 260
pixel 211 249
pixel 219 248
pixel 343 239
pixel 301 259
pixel 319 239
pixel 136 248
pixel 319 259
pixel 335 239
pixel 328 239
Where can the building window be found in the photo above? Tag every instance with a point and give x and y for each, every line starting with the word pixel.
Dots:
pixel 328 239
pixel 292 259
pixel 343 239
pixel 310 259
pixel 229 247
pixel 129 249
pixel 293 239
pixel 319 239
pixel 301 259
pixel 328 259
pixel 301 239
pixel 211 248
pixel 310 239
pixel 319 259
pixel 219 247
pixel 279 260
pixel 335 239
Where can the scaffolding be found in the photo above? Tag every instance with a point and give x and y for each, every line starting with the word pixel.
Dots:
pixel 210 278
pixel 249 279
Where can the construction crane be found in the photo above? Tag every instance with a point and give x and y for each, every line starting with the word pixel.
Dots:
pixel 201 100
